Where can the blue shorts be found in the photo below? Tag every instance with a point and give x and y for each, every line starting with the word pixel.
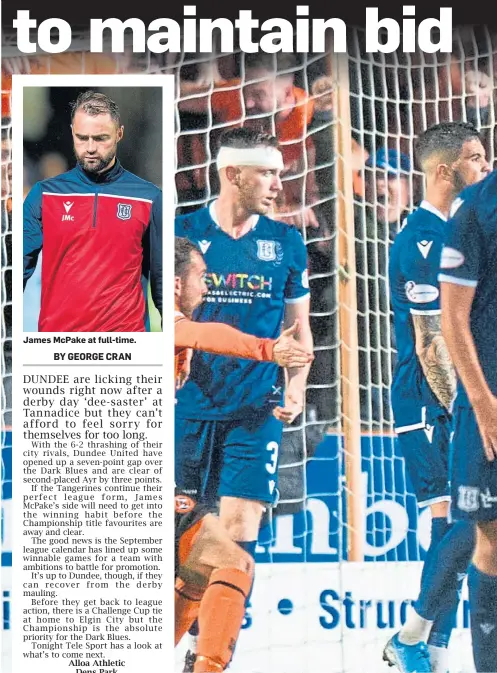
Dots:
pixel 228 458
pixel 426 455
pixel 473 477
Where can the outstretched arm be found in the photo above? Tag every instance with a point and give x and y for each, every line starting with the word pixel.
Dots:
pixel 222 339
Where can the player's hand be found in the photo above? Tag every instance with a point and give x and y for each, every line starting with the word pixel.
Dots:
pixel 294 405
pixel 486 417
pixel 287 352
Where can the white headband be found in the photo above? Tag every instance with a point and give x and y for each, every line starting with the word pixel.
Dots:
pixel 266 157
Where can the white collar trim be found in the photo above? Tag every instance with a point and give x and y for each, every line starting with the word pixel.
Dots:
pixel 212 212
pixel 426 205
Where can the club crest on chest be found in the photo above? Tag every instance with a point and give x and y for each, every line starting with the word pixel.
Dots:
pixel 124 211
pixel 269 251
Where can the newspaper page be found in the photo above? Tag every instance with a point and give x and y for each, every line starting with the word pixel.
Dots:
pixel 320 518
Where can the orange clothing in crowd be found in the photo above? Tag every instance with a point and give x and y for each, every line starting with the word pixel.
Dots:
pixel 290 127
pixel 215 338
pixel 227 105
pixel 359 158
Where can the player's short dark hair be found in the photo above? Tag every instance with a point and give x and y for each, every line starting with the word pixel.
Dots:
pixel 445 139
pixel 94 104
pixel 247 138
pixel 280 63
pixel 183 249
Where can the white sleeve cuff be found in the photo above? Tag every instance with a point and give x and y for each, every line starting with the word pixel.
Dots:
pixel 297 300
pixel 457 281
pixel 433 311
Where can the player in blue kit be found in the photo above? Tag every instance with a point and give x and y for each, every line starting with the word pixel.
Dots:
pixel 468 281
pixel 451 156
pixel 230 413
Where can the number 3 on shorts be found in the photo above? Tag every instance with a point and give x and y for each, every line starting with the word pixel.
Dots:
pixel 271 466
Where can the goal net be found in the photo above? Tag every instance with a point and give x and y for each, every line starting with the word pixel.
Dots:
pixel 338 560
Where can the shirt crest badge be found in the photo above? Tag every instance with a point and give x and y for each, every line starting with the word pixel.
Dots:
pixel 266 250
pixel 124 211
pixel 468 499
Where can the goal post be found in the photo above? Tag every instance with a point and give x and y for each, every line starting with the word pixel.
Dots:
pixel 347 295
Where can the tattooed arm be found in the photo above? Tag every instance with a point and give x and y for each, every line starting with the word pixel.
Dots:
pixel 434 357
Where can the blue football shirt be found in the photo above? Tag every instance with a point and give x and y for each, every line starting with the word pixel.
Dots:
pixel 250 280
pixel 413 270
pixel 469 258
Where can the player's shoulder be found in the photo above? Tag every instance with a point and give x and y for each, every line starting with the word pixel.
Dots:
pixel 66 182
pixel 194 223
pixel 54 182
pixel 419 242
pixel 286 233
pixel 426 217
pixel 144 187
pixel 423 222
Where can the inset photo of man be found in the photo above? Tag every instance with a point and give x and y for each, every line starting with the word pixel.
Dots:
pixel 92 234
